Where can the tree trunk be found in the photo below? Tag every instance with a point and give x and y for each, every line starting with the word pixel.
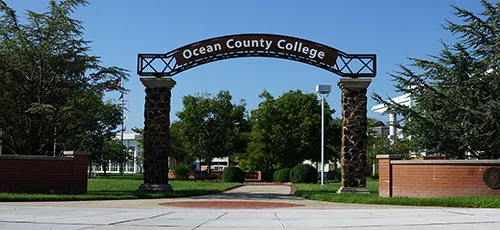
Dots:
pixel 90 169
pixel 104 168
pixel 209 172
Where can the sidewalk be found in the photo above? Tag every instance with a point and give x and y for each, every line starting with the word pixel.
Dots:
pixel 149 214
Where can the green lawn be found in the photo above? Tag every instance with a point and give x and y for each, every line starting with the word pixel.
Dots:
pixel 125 187
pixel 328 193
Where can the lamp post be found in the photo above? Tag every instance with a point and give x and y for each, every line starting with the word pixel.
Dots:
pixel 323 91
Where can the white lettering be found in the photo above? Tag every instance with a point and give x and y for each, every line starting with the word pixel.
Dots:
pixel 255 43
pixel 268 44
pixel 202 50
pixel 321 55
pixel 217 47
pixel 246 43
pixel 279 44
pixel 228 43
pixel 187 54
pixel 237 44
pixel 289 46
pixel 312 53
pixel 305 50
pixel 262 41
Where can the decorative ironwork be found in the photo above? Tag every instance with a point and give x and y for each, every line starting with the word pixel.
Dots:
pixel 257 45
pixel 491 178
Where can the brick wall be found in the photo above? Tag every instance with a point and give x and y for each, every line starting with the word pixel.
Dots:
pixel 44 174
pixel 433 178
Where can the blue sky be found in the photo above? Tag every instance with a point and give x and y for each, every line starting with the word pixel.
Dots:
pixel 392 29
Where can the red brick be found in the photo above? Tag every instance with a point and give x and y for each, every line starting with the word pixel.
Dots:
pixel 44 176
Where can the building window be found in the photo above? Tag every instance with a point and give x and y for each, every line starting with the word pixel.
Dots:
pixel 114 167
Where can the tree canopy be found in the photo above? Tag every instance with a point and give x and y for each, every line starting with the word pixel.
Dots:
pixel 212 125
pixel 286 131
pixel 457 92
pixel 52 89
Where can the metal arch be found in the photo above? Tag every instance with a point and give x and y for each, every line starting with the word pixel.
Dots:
pixel 346 65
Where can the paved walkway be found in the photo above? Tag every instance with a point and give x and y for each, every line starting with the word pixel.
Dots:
pixel 149 214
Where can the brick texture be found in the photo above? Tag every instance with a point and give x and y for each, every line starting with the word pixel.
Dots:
pixel 51 175
pixel 433 180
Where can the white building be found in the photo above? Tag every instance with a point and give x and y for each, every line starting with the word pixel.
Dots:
pixel 405 100
pixel 135 151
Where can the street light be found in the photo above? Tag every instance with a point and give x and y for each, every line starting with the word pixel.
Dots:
pixel 323 91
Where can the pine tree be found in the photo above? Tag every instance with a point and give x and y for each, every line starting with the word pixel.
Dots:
pixel 51 89
pixel 457 92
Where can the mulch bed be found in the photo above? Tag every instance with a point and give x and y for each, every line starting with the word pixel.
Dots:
pixel 231 204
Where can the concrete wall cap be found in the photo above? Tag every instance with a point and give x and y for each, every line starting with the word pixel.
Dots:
pixel 32 157
pixel 390 156
pixel 357 83
pixel 445 162
pixel 158 82
pixel 81 153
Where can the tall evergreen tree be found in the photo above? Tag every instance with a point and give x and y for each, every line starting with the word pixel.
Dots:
pixel 457 93
pixel 51 89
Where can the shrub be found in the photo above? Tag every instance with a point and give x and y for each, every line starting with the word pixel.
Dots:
pixel 338 174
pixel 181 171
pixel 303 174
pixel 233 174
pixel 267 175
pixel 375 175
pixel 282 175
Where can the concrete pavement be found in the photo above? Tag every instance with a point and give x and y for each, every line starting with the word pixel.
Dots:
pixel 148 214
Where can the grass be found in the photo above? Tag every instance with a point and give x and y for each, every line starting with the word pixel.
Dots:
pixel 125 187
pixel 328 193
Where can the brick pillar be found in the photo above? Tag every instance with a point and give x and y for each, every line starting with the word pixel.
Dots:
pixel 354 135
pixel 78 175
pixel 385 174
pixel 156 133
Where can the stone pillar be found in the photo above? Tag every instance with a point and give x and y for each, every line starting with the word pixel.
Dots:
pixel 156 133
pixel 354 135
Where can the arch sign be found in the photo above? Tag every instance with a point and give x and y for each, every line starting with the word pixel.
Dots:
pixel 257 45
pixel 356 71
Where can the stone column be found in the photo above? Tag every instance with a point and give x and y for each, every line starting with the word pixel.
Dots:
pixel 156 133
pixel 354 134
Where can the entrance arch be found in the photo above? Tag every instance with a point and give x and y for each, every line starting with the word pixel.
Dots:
pixel 356 71
pixel 257 45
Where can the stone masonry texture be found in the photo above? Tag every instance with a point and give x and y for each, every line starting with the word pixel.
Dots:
pixel 156 135
pixel 354 137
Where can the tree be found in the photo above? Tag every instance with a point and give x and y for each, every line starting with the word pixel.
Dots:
pixel 334 141
pixel 110 151
pixel 178 145
pixel 140 144
pixel 457 93
pixel 286 131
pixel 51 88
pixel 212 125
pixel 92 136
pixel 378 144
